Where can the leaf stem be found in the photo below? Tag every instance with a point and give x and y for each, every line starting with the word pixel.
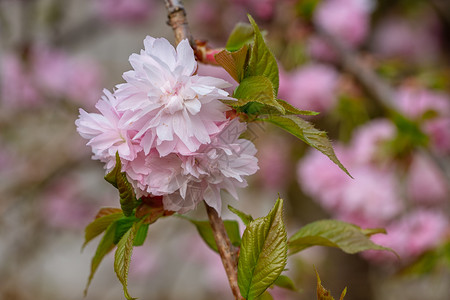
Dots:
pixel 227 252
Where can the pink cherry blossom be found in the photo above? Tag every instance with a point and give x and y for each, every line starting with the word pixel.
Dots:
pixel 414 102
pixel 311 87
pixel 223 164
pixel 273 156
pixel 106 136
pixel 367 141
pixel 439 133
pixel 172 109
pixel 426 182
pixel 346 19
pixel 412 235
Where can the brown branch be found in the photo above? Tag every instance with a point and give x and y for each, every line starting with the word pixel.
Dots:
pixel 227 252
pixel 177 20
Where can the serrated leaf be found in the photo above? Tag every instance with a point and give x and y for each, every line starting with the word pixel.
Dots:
pixel 99 225
pixel 256 89
pixel 241 35
pixel 263 253
pixel 123 225
pixel 307 133
pixel 262 62
pixel 122 257
pixel 246 219
pixel 128 200
pixel 292 110
pixel 233 62
pixel 332 233
pixel 265 296
pixel 105 246
pixel 141 235
pixel 119 180
pixel 323 293
pixel 205 231
pixel 285 282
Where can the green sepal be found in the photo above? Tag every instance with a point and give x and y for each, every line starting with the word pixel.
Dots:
pixel 333 233
pixel 246 219
pixel 263 253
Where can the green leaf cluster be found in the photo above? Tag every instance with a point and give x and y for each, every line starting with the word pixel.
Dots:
pixel 256 70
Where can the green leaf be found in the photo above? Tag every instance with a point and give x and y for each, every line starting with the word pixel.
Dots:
pixel 205 231
pixel 119 180
pixel 285 282
pixel 98 226
pixel 241 35
pixel 141 235
pixel 262 62
pixel 263 253
pixel 246 219
pixel 233 62
pixel 265 296
pixel 122 257
pixel 128 200
pixel 332 233
pixel 105 246
pixel 123 225
pixel 307 133
pixel 323 294
pixel 256 89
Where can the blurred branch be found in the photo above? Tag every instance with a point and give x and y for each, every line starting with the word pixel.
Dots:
pixel 177 20
pixel 375 86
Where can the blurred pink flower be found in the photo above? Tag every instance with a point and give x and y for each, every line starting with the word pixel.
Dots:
pixel 372 198
pixel 17 87
pixel 310 87
pixel 439 133
pixel 64 208
pixel 263 9
pixel 414 102
pixel 426 184
pixel 128 11
pixel 346 19
pixel 273 157
pixel 407 40
pixel 367 140
pixel 411 236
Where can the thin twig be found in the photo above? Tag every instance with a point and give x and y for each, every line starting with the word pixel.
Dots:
pixel 226 250
pixel 177 20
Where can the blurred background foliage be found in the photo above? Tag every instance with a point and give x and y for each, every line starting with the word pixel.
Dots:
pixel 57 55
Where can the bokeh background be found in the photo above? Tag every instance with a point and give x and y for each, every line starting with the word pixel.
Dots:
pixel 58 55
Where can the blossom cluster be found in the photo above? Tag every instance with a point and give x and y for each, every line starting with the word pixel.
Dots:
pixel 407 202
pixel 170 130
